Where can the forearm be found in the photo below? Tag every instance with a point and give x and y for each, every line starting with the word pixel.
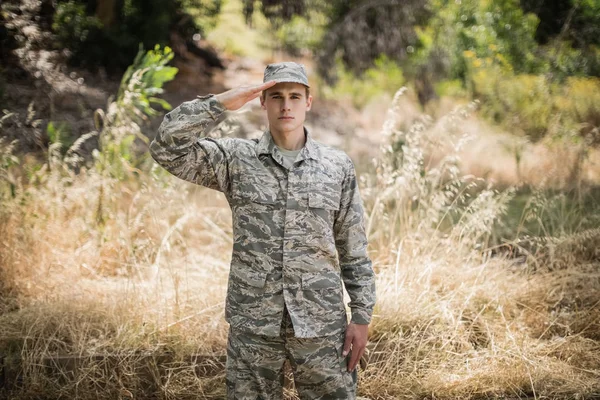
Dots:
pixel 351 243
pixel 359 280
pixel 182 127
pixel 182 148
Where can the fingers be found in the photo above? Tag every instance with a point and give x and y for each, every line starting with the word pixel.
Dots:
pixel 259 88
pixel 254 96
pixel 267 85
pixel 347 343
pixel 364 359
pixel 251 92
pixel 353 359
pixel 357 353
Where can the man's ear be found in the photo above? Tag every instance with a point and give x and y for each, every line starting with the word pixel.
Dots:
pixel 262 101
pixel 309 102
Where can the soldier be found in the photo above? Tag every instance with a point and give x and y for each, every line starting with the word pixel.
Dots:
pixel 298 234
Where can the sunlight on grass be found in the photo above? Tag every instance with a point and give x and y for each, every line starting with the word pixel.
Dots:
pixel 453 320
pixel 125 268
pixel 232 36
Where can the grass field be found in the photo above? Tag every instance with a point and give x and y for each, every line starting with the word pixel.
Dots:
pixel 91 264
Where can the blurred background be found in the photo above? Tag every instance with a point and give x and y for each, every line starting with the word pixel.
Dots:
pixel 474 127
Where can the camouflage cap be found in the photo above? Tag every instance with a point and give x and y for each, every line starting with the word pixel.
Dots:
pixel 286 72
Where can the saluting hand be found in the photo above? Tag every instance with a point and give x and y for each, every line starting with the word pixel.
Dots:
pixel 237 97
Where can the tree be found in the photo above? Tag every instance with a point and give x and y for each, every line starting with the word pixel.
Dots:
pixel 106 12
pixel 108 32
pixel 575 20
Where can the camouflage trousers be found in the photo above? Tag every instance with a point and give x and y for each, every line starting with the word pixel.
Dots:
pixel 255 366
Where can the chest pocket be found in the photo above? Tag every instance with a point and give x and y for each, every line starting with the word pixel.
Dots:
pixel 256 192
pixel 325 196
pixel 253 181
pixel 257 187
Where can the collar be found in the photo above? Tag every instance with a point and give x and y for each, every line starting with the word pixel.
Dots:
pixel 266 145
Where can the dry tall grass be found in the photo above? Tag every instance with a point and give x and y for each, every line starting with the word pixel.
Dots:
pixel 91 264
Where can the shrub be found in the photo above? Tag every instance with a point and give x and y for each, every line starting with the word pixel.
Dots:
pixel 523 103
pixel 497 31
pixel 566 60
pixel 579 104
pixel 75 30
pixel 112 46
pixel 120 125
pixel 533 106
pixel 385 77
pixel 299 34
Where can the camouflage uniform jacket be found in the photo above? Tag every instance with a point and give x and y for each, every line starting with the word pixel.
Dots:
pixel 288 225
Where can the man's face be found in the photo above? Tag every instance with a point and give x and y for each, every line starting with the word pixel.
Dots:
pixel 286 104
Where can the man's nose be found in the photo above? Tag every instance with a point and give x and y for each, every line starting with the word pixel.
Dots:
pixel 285 104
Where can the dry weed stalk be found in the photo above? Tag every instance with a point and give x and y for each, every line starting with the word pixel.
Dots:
pixel 451 322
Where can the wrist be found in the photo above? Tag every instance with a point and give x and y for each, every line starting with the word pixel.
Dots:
pixel 221 100
pixel 360 317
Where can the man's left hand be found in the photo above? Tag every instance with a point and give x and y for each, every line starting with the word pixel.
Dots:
pixel 356 338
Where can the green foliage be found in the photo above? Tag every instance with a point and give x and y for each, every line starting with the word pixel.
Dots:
pixel 118 127
pixel 59 134
pixel 576 21
pixel 500 33
pixel 519 102
pixel 140 86
pixel 566 60
pixel 384 77
pixel 451 88
pixel 441 40
pixel 490 46
pixel 233 36
pixel 204 12
pixel 294 26
pixel 112 46
pixel 74 28
pixel 533 106
pixel 299 34
pixel 578 102
pixel 145 78
pixel 359 32
pixel 537 216
pixel 496 31
pixel 279 12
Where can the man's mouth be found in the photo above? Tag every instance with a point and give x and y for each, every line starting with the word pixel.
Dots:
pixel 287 117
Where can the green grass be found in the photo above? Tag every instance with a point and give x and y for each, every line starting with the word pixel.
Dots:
pixel 550 213
pixel 231 34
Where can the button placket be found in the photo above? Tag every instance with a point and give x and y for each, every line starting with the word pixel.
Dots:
pixel 287 243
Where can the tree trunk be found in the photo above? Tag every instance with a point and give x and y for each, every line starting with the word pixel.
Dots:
pixel 105 12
